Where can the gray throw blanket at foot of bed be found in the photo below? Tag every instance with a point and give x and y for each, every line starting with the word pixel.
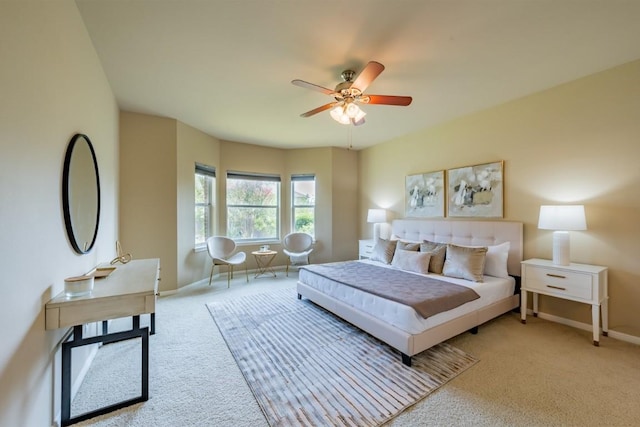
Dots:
pixel 428 296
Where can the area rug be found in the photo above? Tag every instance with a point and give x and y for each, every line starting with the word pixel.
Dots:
pixel 307 367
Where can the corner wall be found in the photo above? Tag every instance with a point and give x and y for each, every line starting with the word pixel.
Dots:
pixel 148 188
pixel 52 86
pixel 573 144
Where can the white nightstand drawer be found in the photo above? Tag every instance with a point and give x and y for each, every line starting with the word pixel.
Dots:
pixel 366 248
pixel 564 283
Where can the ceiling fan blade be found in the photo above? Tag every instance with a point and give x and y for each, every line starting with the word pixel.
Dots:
pixel 368 75
pixel 311 86
pixel 389 100
pixel 319 109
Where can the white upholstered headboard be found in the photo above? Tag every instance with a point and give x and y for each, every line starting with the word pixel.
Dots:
pixel 473 233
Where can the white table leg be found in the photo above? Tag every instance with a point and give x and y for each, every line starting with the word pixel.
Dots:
pixel 595 318
pixel 523 306
pixel 535 304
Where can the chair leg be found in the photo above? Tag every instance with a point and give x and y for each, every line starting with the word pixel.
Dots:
pixel 246 271
pixel 229 275
pixel 211 275
pixel 287 270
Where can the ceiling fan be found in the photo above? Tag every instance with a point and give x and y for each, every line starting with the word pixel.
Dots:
pixel 349 93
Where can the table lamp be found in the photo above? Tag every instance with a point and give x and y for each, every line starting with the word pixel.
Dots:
pixel 562 219
pixel 377 217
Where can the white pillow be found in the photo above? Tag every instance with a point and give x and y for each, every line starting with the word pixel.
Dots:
pixel 495 263
pixel 411 261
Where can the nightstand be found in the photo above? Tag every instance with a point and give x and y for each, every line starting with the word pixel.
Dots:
pixel 576 282
pixel 365 248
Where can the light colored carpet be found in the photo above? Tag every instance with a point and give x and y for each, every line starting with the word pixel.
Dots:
pixel 307 367
pixel 538 374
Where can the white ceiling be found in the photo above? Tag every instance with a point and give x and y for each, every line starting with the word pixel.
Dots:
pixel 225 67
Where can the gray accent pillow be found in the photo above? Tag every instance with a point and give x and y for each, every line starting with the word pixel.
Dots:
pixel 438 252
pixel 411 261
pixel 465 262
pixel 407 246
pixel 383 251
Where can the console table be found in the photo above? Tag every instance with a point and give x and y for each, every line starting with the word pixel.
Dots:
pixel 127 292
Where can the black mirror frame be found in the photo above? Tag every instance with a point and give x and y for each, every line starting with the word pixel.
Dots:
pixel 65 193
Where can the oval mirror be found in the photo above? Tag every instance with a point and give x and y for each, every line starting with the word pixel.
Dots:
pixel 81 194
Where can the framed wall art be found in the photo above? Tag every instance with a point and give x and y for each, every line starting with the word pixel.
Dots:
pixel 476 191
pixel 424 195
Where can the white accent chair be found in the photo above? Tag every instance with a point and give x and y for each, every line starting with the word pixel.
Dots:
pixel 221 250
pixel 297 247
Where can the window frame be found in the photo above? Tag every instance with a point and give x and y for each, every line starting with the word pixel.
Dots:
pixel 297 178
pixel 209 173
pixel 252 176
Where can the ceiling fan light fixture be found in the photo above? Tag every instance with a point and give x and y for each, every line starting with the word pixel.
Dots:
pixel 339 115
pixel 351 110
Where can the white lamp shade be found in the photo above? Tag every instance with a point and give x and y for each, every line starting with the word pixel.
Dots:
pixel 377 216
pixel 563 218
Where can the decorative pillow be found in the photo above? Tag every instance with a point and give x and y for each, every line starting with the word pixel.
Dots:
pixel 465 262
pixel 438 252
pixel 496 262
pixel 383 251
pixel 411 261
pixel 407 246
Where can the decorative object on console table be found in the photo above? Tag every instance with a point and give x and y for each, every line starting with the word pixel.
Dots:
pixel 576 282
pixel 365 248
pixel 476 191
pixel 424 195
pixel 377 217
pixel 562 219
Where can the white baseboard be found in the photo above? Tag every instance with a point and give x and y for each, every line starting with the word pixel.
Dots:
pixel 586 326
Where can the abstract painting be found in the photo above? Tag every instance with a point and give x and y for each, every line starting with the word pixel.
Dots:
pixel 424 195
pixel 476 191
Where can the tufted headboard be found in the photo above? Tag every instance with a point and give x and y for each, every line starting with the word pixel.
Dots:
pixel 472 233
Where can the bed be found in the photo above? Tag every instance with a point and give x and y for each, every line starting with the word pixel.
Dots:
pixel 399 325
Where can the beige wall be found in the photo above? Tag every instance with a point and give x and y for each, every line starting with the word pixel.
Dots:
pixel 344 204
pixel 148 189
pixel 52 86
pixel 577 143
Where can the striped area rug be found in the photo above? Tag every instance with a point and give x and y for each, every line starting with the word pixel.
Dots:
pixel 307 367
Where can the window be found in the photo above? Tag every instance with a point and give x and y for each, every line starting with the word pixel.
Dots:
pixel 303 197
pixel 204 203
pixel 253 206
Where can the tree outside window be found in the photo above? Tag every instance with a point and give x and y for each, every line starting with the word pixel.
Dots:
pixel 303 191
pixel 253 206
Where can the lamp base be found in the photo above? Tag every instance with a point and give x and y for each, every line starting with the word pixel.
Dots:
pixel 561 248
pixel 376 232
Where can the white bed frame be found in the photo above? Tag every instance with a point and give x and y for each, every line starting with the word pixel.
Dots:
pixel 476 233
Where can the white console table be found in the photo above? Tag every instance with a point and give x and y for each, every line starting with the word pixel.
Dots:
pixel 129 291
